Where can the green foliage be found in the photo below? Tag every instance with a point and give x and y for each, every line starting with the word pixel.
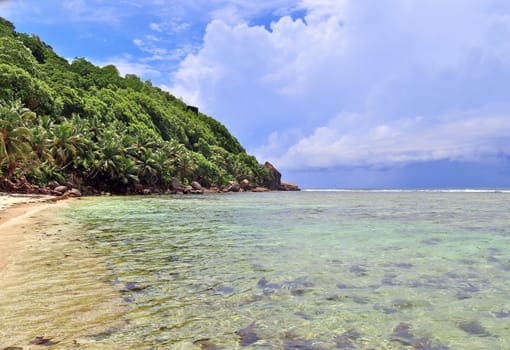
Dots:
pixel 18 84
pixel 14 53
pixel 100 129
pixel 6 27
pixel 35 45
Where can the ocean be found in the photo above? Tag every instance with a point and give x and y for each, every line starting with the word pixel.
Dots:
pixel 299 270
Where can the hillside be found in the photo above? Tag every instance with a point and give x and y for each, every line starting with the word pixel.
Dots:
pixel 87 125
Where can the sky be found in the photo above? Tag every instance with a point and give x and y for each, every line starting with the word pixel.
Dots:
pixel 335 93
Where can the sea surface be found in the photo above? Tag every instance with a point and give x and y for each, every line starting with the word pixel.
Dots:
pixel 301 270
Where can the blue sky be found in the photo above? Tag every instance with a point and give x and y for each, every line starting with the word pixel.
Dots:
pixel 336 93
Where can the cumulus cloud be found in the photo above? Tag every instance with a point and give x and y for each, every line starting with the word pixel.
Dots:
pixel 127 65
pixel 468 137
pixel 360 83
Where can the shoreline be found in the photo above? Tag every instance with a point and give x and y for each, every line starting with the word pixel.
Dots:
pixel 16 213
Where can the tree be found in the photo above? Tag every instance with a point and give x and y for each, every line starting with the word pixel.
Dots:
pixel 18 84
pixel 68 142
pixel 14 137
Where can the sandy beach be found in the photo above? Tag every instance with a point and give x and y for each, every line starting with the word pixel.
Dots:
pixel 15 212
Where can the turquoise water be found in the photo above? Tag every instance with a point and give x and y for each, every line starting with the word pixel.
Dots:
pixel 308 270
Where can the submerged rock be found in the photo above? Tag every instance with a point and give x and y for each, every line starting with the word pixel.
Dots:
pixel 404 265
pixel 224 290
pixel 43 341
pixel 359 270
pixel 293 342
pixel 341 285
pixel 248 335
pixel 474 328
pixel 133 287
pixel 205 344
pixel 346 340
pixel 402 334
pixel 264 283
pixel 501 314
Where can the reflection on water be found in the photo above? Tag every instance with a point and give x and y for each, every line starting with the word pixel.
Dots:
pixel 310 270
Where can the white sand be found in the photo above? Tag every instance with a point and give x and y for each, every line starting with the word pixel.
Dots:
pixel 9 199
pixel 16 210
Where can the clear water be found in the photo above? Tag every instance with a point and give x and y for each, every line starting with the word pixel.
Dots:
pixel 308 270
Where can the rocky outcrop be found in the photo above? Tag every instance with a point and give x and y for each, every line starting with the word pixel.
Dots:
pixel 192 109
pixel 288 186
pixel 277 177
pixel 277 184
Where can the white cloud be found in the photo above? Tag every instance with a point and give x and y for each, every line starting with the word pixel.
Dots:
pixel 470 136
pixel 360 82
pixel 127 65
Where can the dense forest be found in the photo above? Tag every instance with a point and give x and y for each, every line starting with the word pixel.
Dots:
pixel 86 125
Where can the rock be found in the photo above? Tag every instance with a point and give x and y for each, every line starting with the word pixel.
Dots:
pixel 138 188
pixel 196 186
pixel 192 109
pixel 205 344
pixel 288 186
pixel 234 187
pixel 244 184
pixel 260 189
pixel 43 341
pixel 277 176
pixel 146 191
pixel 176 185
pixel 247 336
pixel 61 189
pixel 474 328
pixel 345 340
pixel 133 287
pixel 73 193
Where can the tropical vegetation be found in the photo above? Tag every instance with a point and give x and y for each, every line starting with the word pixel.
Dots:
pixel 80 123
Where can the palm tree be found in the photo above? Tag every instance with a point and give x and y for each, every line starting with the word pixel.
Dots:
pixel 40 144
pixel 127 172
pixel 14 137
pixel 107 154
pixel 185 164
pixel 149 167
pixel 68 143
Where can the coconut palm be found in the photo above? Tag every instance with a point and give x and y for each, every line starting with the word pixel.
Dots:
pixel 67 143
pixel 14 137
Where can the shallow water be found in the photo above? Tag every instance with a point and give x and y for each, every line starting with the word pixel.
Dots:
pixel 308 270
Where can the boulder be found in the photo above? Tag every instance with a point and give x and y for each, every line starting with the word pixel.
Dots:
pixel 260 189
pixel 196 186
pixel 288 186
pixel 176 185
pixel 138 188
pixel 73 193
pixel 244 184
pixel 53 184
pixel 234 187
pixel 277 177
pixel 60 189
